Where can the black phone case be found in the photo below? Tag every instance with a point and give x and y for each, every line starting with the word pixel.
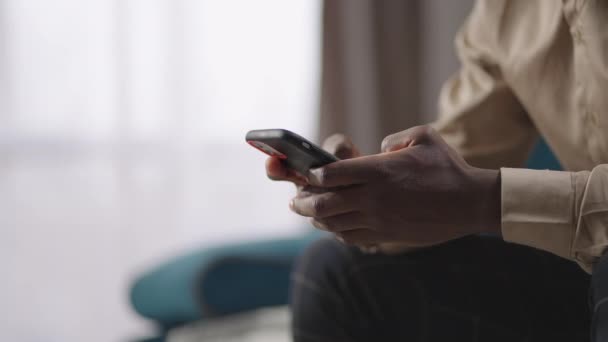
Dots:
pixel 297 152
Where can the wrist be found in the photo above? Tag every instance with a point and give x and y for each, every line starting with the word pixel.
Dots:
pixel 487 203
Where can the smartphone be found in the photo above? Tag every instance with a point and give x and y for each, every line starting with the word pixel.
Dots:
pixel 296 152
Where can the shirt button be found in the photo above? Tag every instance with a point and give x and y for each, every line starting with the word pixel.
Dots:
pixel 576 35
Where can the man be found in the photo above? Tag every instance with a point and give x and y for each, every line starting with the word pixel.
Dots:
pixel 485 251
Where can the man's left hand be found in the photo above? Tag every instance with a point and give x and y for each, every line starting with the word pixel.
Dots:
pixel 417 192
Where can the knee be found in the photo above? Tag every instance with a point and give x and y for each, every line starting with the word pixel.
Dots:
pixel 322 262
pixel 315 296
pixel 332 284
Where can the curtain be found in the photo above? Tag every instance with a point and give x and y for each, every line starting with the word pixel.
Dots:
pixel 367 68
pixel 122 128
pixel 383 63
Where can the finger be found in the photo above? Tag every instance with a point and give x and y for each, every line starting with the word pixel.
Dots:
pixel 340 146
pixel 325 204
pixel 308 190
pixel 276 170
pixel 341 222
pixel 346 172
pixel 409 137
pixel 360 237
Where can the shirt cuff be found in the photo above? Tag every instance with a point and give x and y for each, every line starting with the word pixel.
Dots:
pixel 538 209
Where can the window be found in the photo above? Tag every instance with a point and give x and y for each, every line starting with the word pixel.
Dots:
pixel 122 130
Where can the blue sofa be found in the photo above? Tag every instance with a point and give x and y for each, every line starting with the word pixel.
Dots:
pixel 224 280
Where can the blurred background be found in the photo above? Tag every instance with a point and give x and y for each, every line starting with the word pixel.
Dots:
pixel 122 128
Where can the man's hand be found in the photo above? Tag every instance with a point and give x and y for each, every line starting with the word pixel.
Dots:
pixel 337 144
pixel 418 192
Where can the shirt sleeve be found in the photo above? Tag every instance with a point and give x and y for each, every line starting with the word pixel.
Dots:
pixel 565 213
pixel 480 116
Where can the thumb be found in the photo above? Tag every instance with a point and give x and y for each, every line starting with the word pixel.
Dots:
pixel 413 136
pixel 341 146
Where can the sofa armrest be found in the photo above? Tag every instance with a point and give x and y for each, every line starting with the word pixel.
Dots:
pixel 217 281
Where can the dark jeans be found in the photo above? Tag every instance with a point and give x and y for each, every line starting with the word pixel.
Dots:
pixel 472 289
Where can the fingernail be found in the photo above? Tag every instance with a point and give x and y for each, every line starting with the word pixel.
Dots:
pixel 340 239
pixel 292 204
pixel 314 176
